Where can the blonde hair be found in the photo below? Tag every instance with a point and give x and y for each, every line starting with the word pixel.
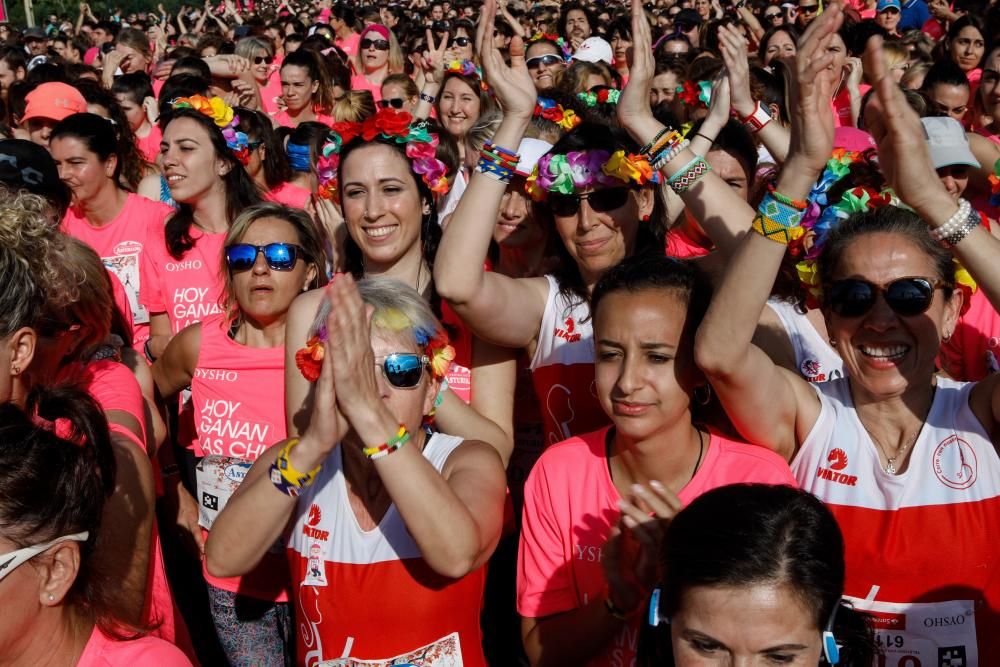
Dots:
pixel 354 107
pixel 135 39
pixel 94 304
pixel 248 46
pixel 396 59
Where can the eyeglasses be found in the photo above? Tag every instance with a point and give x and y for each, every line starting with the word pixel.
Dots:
pixel 13 560
pixel 279 256
pixel 379 44
pixel 772 16
pixel 267 60
pixel 461 41
pixel 403 369
pixel 395 103
pixel 548 60
pixel 254 145
pixel 600 201
pixel 808 9
pixel 906 296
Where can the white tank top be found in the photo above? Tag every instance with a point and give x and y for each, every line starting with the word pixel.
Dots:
pixel 814 358
pixel 920 546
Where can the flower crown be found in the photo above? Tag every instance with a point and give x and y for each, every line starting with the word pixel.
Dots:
pixel 695 94
pixel 995 185
pixel 438 353
pixel 467 68
pixel 579 170
pixel 555 113
pixel 397 126
pixel 603 96
pixel 567 52
pixel 224 118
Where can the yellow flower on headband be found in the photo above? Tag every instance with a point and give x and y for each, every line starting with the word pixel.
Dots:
pixel 221 112
pixel 391 319
pixel 622 168
pixel 441 358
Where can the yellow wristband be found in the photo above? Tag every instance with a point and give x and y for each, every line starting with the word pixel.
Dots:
pixel 288 471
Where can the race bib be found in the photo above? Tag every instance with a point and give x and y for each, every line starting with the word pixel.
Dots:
pixel 930 634
pixel 217 478
pixel 445 652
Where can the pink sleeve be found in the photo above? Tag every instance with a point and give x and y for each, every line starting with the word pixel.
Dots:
pixel 544 583
pixel 151 294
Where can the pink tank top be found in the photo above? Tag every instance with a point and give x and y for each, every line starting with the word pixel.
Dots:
pixel 236 399
pixel 563 369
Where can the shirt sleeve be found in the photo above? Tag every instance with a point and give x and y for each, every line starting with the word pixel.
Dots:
pixel 544 579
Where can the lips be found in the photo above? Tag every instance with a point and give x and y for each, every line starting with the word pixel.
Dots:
pixel 885 355
pixel 380 232
pixel 629 409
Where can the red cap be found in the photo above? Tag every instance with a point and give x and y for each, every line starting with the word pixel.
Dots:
pixel 53 100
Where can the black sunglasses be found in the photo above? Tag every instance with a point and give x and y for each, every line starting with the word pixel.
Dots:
pixel 461 41
pixel 601 201
pixel 772 16
pixel 808 9
pixel 906 296
pixel 548 59
pixel 267 60
pixel 395 103
pixel 403 369
pixel 379 44
pixel 279 256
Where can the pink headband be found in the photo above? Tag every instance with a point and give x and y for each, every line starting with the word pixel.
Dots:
pixel 380 29
pixel 91 55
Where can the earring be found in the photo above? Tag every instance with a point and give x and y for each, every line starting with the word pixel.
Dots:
pixel 645 218
pixel 703 394
pixel 833 342
pixel 52 597
pixel 947 337
pixel 16 370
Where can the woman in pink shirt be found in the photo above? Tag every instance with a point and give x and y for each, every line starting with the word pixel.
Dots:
pixel 305 90
pixel 378 56
pixel 234 364
pixel 581 586
pixel 302 149
pixel 58 607
pixel 138 101
pixel 267 165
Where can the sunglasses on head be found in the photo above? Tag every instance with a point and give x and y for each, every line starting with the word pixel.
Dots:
pixel 379 44
pixel 906 296
pixel 14 559
pixel 266 60
pixel 279 256
pixel 600 201
pixel 403 369
pixel 395 103
pixel 548 60
pixel 461 41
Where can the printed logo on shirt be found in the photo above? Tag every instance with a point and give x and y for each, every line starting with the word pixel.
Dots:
pixel 315 515
pixel 567 333
pixel 837 459
pixel 883 620
pixel 310 530
pixel 128 248
pixel 588 554
pixel 216 374
pixel 187 265
pixel 812 370
pixel 955 463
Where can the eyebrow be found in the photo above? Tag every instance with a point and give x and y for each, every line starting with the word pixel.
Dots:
pixel 387 179
pixel 645 346
pixel 695 634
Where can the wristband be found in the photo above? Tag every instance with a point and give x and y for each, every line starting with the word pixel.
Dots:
pixel 954 223
pixel 430 99
pixel 667 155
pixel 970 223
pixel 648 147
pixel 690 174
pixel 386 448
pixel 757 120
pixel 775 219
pixel 285 477
pixel 510 155
pixel 146 351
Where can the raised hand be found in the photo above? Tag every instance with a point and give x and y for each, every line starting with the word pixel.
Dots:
pixel 733 46
pixel 634 112
pixel 433 60
pixel 349 326
pixel 327 424
pixel 512 84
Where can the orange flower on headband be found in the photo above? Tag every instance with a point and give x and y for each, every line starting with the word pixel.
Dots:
pixel 441 355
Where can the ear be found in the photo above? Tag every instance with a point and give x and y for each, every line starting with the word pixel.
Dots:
pixel 315 87
pixel 222 167
pixel 56 572
pixel 773 110
pixel 644 198
pixel 952 311
pixel 110 164
pixel 21 350
pixel 311 273
pixel 431 396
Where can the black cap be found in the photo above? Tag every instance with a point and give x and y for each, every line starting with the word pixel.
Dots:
pixel 35 32
pixel 27 166
pixel 688 18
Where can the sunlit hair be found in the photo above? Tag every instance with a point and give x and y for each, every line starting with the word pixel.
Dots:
pixel 94 305
pixel 396 60
pixel 135 39
pixel 249 47
pixel 354 107
pixel 308 236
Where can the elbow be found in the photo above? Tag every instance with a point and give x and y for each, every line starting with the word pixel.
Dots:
pixel 217 563
pixel 450 288
pixel 454 566
pixel 712 359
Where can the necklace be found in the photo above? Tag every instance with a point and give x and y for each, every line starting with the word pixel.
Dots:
pixel 609 445
pixel 890 465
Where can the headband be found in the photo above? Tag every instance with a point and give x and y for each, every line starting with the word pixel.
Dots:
pixel 603 96
pixel 298 156
pixel 391 125
pixel 567 52
pixel 380 29
pixel 555 113
pixel 466 68
pixel 224 118
pixel 579 170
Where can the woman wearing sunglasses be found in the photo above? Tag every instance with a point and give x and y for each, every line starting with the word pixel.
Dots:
pixel 105 216
pixel 305 90
pixel 234 364
pixel 260 54
pixel 387 510
pixel 59 608
pixel 378 56
pixel 545 60
pixel 401 93
pixel 906 459
pixel 599 212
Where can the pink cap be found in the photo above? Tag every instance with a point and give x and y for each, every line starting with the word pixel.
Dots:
pixel 54 100
pixel 852 139
pixel 91 55
pixel 375 27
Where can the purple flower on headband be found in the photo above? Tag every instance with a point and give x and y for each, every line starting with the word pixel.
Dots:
pixel 585 166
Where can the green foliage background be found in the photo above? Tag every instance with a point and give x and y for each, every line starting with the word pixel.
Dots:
pixel 70 9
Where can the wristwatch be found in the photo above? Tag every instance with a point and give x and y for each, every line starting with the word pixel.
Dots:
pixel 756 121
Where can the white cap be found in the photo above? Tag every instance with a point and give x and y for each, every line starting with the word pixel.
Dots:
pixel 593 50
pixel 531 151
pixel 947 142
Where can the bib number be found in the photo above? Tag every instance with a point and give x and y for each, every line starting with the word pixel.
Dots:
pixel 217 479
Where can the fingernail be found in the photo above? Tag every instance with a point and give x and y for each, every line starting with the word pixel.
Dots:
pixel 656 485
pixel 638 488
pixel 622 504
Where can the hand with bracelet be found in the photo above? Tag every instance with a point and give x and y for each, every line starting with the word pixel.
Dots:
pixel 432 65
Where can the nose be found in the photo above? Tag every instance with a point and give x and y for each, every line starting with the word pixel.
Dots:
pixel 374 207
pixel 881 317
pixel 587 217
pixel 260 267
pixel 512 207
pixel 629 378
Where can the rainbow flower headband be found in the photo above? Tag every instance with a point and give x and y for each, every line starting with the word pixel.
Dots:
pixel 224 118
pixel 695 95
pixel 438 353
pixel 603 96
pixel 995 185
pixel 580 170
pixel 567 52
pixel 466 68
pixel 397 126
pixel 555 113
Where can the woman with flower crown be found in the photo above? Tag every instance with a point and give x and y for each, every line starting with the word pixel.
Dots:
pixel 387 525
pixel 905 458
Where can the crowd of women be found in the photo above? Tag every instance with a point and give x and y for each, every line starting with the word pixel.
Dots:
pixel 486 333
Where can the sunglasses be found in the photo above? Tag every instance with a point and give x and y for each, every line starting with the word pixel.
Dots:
pixel 267 60
pixel 279 256
pixel 461 41
pixel 403 370
pixel 379 44
pixel 772 16
pixel 808 9
pixel 11 561
pixel 600 201
pixel 395 103
pixel 548 60
pixel 906 296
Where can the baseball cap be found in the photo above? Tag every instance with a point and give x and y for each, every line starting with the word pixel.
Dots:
pixel 53 100
pixel 531 151
pixel 887 4
pixel 593 50
pixel 34 33
pixel 688 18
pixel 25 165
pixel 947 142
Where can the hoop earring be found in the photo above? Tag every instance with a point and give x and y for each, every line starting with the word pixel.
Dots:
pixel 703 394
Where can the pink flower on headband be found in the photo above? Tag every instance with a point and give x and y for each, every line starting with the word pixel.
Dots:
pixel 586 167
pixel 422 149
pixel 433 172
